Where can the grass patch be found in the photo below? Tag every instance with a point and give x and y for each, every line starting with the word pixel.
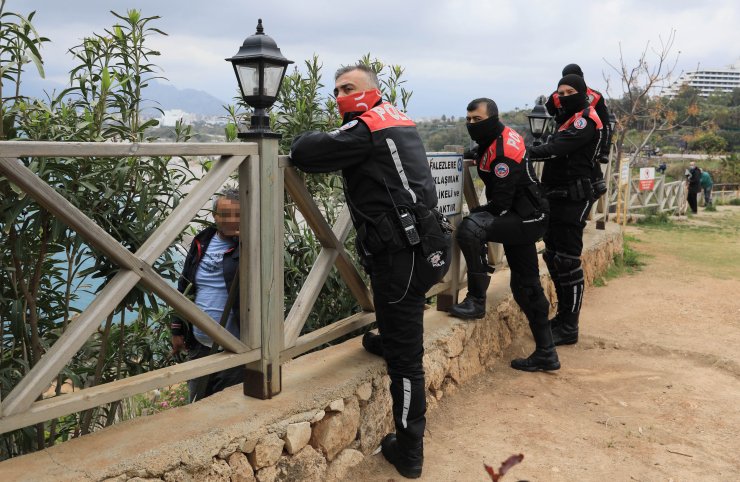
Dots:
pixel 710 208
pixel 628 262
pixel 734 202
pixel 657 219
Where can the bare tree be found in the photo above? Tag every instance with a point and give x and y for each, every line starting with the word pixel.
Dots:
pixel 637 106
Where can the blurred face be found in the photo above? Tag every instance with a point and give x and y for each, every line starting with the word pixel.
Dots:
pixel 227 217
pixel 352 82
pixel 566 90
pixel 479 114
pixel 692 165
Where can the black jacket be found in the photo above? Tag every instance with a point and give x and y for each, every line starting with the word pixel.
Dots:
pixel 571 151
pixel 595 100
pixel 382 159
pixel 198 248
pixel 508 175
pixel 694 178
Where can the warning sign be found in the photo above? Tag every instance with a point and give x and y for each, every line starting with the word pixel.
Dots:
pixel 447 170
pixel 647 178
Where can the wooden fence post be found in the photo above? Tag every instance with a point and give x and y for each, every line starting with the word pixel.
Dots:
pixel 263 379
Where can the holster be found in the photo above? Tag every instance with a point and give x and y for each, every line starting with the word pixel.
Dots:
pixel 576 190
pixel 434 229
pixel 381 234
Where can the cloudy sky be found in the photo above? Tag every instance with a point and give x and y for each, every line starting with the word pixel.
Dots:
pixel 452 50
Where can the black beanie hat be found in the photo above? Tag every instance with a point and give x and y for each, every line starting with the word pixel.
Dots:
pixel 575 81
pixel 572 69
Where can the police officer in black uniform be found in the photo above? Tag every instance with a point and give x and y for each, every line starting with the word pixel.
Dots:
pixel 515 215
pixel 566 178
pixel 595 100
pixel 391 195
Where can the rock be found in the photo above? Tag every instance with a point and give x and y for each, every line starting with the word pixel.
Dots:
pixel 432 402
pixel 449 387
pixel 220 472
pixel 438 394
pixel 336 406
pixel 177 475
pixel 318 417
pixel 297 436
pixel 466 365
pixel 344 462
pixel 365 391
pixel 241 469
pixel 336 430
pixel 142 479
pixel 248 445
pixel 307 465
pixel 453 344
pixel 436 364
pixel 225 452
pixel 267 451
pixel 268 474
pixel 377 418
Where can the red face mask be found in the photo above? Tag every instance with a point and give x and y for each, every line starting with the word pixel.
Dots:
pixel 359 102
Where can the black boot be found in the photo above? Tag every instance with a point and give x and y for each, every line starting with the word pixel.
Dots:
pixel 556 321
pixel 407 461
pixel 567 331
pixel 474 304
pixel 544 358
pixel 372 343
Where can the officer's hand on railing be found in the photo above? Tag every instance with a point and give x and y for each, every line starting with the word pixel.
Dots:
pixel 471 153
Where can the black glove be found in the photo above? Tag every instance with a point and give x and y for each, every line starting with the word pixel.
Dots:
pixel 604 158
pixel 471 153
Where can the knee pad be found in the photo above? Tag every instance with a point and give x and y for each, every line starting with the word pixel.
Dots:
pixel 471 237
pixel 568 268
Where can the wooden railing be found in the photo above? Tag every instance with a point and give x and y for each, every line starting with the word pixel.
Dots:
pixel 268 336
pixel 664 197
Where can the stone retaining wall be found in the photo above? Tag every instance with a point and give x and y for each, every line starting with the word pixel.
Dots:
pixel 334 409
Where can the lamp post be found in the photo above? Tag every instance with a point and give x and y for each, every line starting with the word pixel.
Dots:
pixel 539 120
pixel 260 67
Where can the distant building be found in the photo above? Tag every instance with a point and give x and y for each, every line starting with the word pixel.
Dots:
pixel 707 81
pixel 170 117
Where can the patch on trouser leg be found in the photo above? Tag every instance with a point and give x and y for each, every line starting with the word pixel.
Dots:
pixel 406 402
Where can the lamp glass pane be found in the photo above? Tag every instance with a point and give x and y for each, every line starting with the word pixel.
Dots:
pixel 273 76
pixel 249 78
pixel 537 125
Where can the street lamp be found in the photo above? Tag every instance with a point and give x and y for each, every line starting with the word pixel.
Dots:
pixel 538 119
pixel 259 67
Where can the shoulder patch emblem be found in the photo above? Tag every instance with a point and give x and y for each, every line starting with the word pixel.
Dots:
pixel 501 170
pixel 580 123
pixel 349 125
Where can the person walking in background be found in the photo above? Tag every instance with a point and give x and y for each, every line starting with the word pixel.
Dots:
pixel 706 185
pixel 566 178
pixel 210 268
pixel 693 179
pixel 391 194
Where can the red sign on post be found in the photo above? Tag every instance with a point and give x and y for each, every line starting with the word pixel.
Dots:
pixel 647 178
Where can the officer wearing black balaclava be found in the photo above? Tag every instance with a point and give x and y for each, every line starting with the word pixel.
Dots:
pixel 516 216
pixel 595 100
pixel 566 178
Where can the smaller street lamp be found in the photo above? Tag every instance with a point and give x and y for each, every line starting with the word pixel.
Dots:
pixel 538 119
pixel 259 67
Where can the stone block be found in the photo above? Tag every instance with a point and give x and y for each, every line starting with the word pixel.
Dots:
pixel 267 451
pixel 336 406
pixel 178 475
pixel 319 416
pixel 341 466
pixel 436 365
pixel 220 472
pixel 297 436
pixel 307 466
pixel 454 343
pixel 377 419
pixel 225 452
pixel 336 430
pixel 364 391
pixel 267 474
pixel 248 445
pixel 241 469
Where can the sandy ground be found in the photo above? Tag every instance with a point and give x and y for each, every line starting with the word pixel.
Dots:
pixel 650 393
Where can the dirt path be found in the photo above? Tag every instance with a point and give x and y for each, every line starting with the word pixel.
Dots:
pixel 650 393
